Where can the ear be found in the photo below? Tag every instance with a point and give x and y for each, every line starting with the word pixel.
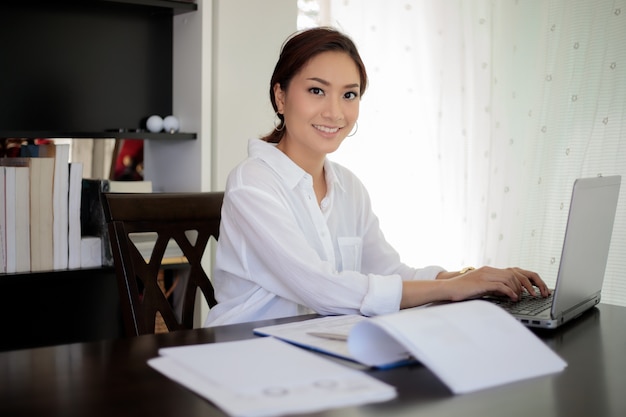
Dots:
pixel 279 97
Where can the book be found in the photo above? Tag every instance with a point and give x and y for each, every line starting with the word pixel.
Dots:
pixel 130 186
pixel 18 185
pixel 73 211
pixel 15 219
pixel 41 176
pixel 92 218
pixel 469 346
pixel 90 252
pixel 29 150
pixel 60 227
pixel 265 377
pixel 4 201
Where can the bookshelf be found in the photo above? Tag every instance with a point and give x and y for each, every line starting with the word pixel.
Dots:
pixel 87 69
pixel 81 69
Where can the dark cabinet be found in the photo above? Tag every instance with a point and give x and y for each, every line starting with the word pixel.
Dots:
pixel 79 69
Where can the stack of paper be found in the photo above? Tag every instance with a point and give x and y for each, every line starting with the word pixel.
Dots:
pixel 469 345
pixel 267 377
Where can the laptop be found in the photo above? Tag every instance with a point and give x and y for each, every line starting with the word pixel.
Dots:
pixel 583 257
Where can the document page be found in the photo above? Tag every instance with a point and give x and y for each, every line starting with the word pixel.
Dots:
pixel 303 333
pixel 469 345
pixel 266 377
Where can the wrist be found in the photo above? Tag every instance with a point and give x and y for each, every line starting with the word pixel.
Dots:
pixel 452 274
pixel 466 270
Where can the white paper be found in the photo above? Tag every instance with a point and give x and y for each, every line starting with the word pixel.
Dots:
pixel 470 346
pixel 298 333
pixel 267 377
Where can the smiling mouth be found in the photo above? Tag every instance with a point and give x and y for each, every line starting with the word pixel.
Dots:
pixel 327 129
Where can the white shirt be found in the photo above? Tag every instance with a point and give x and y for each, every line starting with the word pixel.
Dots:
pixel 281 254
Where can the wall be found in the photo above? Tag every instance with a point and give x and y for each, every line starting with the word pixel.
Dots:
pixel 248 35
pixel 224 55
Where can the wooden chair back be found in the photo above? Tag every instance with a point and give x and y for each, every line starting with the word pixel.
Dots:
pixel 186 219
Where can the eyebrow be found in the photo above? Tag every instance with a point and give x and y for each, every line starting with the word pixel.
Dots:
pixel 322 81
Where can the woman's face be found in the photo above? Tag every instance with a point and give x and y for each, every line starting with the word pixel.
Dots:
pixel 320 105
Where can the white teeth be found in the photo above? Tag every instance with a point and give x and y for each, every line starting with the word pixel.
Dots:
pixel 327 129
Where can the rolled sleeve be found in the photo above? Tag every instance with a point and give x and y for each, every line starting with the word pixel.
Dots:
pixel 428 272
pixel 383 296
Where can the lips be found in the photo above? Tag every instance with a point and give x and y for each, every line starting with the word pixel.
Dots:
pixel 327 129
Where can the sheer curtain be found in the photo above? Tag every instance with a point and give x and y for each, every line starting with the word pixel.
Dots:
pixel 479 116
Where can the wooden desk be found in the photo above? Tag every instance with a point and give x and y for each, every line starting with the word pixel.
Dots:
pixel 111 378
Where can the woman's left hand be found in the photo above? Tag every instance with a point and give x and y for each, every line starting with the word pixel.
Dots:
pixel 511 281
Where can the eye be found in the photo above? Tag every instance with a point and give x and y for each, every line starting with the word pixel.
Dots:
pixel 317 91
pixel 350 95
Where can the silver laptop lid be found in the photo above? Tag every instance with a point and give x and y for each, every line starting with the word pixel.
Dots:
pixel 586 244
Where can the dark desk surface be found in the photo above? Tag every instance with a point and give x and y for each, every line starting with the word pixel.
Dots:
pixel 111 378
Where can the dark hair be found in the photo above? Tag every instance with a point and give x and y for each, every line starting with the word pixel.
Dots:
pixel 297 51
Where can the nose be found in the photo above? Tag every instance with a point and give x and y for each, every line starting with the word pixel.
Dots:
pixel 333 110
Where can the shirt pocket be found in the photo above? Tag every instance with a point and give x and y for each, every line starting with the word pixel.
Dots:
pixel 350 249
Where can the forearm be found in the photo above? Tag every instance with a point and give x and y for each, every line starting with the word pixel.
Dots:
pixel 416 293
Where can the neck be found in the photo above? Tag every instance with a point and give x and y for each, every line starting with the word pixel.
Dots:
pixel 311 164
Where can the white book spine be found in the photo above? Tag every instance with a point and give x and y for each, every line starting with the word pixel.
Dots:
pixel 75 232
pixel 3 221
pixel 10 218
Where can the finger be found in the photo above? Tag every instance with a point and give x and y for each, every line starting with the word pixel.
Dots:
pixel 545 291
pixel 537 282
pixel 506 290
pixel 516 280
pixel 524 280
pixel 506 278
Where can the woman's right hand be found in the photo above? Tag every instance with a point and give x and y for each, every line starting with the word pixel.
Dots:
pixel 452 286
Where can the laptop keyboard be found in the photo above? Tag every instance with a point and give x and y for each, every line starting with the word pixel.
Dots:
pixel 527 304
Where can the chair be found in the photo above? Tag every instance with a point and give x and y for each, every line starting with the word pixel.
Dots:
pixel 189 220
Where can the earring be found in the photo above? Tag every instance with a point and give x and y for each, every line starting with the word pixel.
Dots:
pixel 354 129
pixel 279 123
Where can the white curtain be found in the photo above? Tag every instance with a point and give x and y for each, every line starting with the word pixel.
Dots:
pixel 479 116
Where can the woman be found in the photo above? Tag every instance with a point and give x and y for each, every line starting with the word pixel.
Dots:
pixel 298 234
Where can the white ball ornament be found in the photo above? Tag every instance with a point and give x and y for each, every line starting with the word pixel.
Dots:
pixel 171 124
pixel 154 123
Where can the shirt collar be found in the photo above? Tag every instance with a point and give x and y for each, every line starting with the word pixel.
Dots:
pixel 289 171
pixel 332 178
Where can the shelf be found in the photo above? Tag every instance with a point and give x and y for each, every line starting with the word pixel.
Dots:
pixel 98 135
pixel 177 7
